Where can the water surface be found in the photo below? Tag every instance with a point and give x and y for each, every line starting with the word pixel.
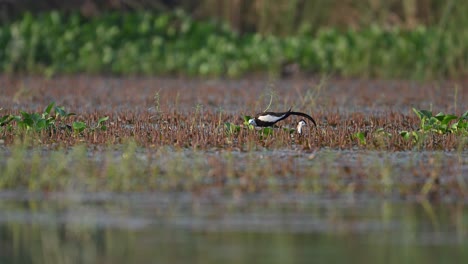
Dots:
pixel 215 228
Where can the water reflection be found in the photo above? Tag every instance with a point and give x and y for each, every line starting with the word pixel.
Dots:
pixel 181 228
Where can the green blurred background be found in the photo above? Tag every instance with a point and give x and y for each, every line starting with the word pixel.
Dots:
pixel 351 38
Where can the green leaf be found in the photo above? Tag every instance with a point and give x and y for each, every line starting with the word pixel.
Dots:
pixel 405 134
pixel 418 113
pixel 464 116
pixel 79 126
pixel 60 110
pixel 36 117
pixel 231 128
pixel 100 123
pixel 426 113
pixel 41 125
pixel 102 119
pixel 448 118
pixel 361 137
pixel 422 113
pixel 246 120
pixel 49 108
pixel 266 131
pixel 4 120
pixel 440 116
pixel 27 120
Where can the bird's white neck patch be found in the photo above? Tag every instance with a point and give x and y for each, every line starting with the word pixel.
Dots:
pixel 300 125
pixel 270 118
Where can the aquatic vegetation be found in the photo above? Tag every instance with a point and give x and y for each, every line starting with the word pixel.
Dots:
pixel 440 123
pixel 147 43
pixel 52 119
pixel 361 136
pixel 37 121
pixel 205 131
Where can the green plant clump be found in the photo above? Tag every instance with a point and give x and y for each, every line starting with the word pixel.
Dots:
pixel 174 43
pixel 46 121
pixel 439 124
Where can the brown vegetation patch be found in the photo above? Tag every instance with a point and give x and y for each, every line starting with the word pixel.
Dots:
pixel 190 113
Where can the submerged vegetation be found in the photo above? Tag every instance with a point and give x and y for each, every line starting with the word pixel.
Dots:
pixel 149 43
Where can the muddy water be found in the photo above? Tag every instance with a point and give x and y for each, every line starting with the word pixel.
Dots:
pixel 213 228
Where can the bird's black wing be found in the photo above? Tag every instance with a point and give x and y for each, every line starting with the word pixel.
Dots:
pixel 304 115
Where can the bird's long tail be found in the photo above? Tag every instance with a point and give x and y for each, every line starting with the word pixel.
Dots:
pixel 303 115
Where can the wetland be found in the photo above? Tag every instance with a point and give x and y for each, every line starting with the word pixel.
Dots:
pixel 168 180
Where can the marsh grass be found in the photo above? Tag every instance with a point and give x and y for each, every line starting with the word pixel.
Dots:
pixel 207 129
pixel 129 168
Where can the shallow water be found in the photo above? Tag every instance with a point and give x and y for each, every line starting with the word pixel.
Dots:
pixel 215 228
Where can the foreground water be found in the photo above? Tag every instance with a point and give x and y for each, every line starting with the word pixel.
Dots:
pixel 215 228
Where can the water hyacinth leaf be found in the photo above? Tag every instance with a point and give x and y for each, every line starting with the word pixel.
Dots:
pixel 448 118
pixel 231 128
pixel 464 116
pixel 6 119
pixel 79 126
pixel 405 134
pixel 35 117
pixel 26 121
pixel 60 111
pixel 422 113
pixel 17 118
pixel 455 126
pixel 440 116
pixel 460 125
pixel 445 119
pixel 101 121
pixel 361 137
pixel 41 125
pixel 49 108
pixel 246 119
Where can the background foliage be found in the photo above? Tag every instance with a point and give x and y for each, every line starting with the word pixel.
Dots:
pixel 369 38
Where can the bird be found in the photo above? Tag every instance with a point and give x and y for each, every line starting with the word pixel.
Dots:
pixel 267 119
pixel 300 125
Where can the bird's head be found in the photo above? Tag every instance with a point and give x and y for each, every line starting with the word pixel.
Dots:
pixel 300 125
pixel 252 122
